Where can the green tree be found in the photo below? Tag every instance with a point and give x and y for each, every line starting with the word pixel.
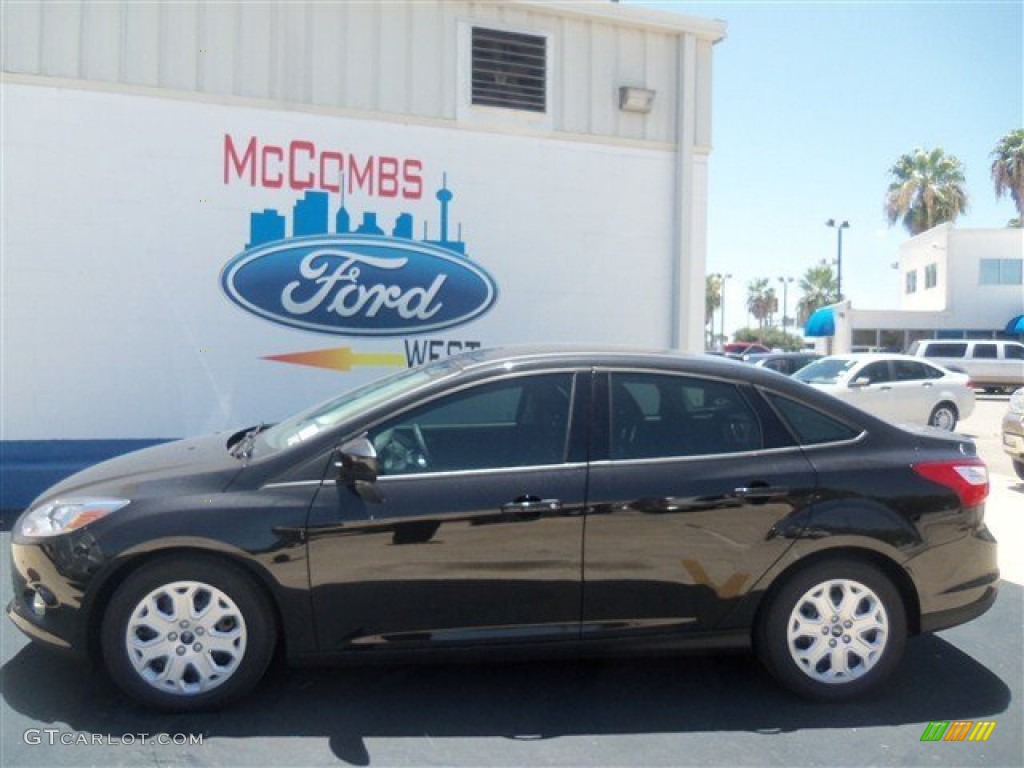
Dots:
pixel 775 338
pixel 926 189
pixel 712 301
pixel 1008 170
pixel 819 290
pixel 761 301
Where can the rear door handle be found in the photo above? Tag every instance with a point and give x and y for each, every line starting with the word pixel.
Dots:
pixel 759 492
pixel 530 507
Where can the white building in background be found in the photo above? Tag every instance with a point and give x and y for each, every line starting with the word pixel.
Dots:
pixel 472 173
pixel 955 284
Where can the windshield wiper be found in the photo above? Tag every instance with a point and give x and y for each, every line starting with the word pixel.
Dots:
pixel 243 448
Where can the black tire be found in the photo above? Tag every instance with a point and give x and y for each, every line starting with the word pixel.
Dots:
pixel 234 620
pixel 869 654
pixel 1018 467
pixel 944 416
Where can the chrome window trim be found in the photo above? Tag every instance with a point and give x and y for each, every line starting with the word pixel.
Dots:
pixel 385 479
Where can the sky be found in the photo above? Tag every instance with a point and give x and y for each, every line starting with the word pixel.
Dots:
pixel 813 102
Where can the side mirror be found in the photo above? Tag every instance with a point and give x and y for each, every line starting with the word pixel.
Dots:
pixel 863 381
pixel 357 468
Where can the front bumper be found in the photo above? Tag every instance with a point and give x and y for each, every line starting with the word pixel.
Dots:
pixel 1013 436
pixel 59 619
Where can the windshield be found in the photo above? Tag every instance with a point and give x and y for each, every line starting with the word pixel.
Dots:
pixel 312 422
pixel 828 371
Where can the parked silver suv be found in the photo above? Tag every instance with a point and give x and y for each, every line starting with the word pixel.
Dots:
pixel 992 365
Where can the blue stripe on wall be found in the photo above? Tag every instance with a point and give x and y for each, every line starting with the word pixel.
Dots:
pixel 29 467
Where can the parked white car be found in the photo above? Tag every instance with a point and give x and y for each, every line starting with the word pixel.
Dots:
pixel 898 388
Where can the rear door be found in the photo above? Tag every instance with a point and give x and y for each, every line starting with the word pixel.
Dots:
pixel 688 479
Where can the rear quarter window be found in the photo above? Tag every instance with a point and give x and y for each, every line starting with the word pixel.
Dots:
pixel 811 426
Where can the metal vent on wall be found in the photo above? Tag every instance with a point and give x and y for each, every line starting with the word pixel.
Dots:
pixel 509 70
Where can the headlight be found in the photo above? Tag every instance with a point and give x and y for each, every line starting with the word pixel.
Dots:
pixel 63 515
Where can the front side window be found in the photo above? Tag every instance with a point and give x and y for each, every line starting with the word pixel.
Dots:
pixel 874 373
pixel 1013 352
pixel 661 416
pixel 511 423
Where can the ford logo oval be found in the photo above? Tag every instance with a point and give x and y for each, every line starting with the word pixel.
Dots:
pixel 358 285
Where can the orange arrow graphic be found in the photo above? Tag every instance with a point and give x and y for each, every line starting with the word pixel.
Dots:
pixel 341 359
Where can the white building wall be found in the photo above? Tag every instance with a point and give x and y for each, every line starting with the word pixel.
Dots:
pixel 396 58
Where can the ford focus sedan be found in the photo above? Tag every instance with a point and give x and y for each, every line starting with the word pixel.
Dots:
pixel 516 502
pixel 898 388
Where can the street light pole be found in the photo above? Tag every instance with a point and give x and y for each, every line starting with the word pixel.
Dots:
pixel 785 299
pixel 839 255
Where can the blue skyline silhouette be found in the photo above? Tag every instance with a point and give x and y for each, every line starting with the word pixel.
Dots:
pixel 311 216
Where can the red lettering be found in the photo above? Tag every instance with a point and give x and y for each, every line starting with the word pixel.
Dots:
pixel 387 176
pixel 360 176
pixel 331 166
pixel 413 188
pixel 247 163
pixel 293 163
pixel 277 181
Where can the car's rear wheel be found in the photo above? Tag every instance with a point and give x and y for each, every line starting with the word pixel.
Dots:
pixel 944 416
pixel 833 630
pixel 187 633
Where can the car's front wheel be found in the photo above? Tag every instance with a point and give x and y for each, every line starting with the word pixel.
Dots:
pixel 944 416
pixel 187 633
pixel 833 630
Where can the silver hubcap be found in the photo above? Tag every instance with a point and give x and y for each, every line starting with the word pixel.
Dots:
pixel 838 631
pixel 943 419
pixel 186 638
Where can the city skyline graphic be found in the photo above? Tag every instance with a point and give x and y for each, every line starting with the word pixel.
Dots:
pixel 311 217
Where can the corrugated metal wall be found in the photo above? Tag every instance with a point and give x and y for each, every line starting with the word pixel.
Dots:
pixel 393 58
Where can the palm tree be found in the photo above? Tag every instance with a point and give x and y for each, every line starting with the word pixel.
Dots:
pixel 761 301
pixel 712 301
pixel 819 290
pixel 927 189
pixel 1008 170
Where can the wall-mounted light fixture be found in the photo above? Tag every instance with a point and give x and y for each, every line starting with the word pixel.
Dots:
pixel 633 99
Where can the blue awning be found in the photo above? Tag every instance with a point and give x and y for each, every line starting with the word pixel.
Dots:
pixel 1015 326
pixel 821 323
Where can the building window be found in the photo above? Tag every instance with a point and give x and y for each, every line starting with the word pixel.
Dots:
pixel 912 281
pixel 931 276
pixel 1001 272
pixel 509 70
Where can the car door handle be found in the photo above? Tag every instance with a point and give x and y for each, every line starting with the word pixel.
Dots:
pixel 759 492
pixel 530 507
pixel 885 387
pixel 927 385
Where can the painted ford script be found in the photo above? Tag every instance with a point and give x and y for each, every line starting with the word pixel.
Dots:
pixel 360 282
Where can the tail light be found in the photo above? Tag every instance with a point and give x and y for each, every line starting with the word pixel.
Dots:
pixel 967 477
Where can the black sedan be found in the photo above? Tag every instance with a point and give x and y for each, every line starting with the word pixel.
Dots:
pixel 516 502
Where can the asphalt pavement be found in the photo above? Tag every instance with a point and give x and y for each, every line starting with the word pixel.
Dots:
pixel 717 710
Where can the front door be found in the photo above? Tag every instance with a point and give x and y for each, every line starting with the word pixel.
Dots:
pixel 478 537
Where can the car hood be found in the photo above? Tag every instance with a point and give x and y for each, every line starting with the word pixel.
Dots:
pixel 183 466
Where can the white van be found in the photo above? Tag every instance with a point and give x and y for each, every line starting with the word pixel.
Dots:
pixel 992 365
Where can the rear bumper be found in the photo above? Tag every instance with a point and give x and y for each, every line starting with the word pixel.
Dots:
pixel 957 581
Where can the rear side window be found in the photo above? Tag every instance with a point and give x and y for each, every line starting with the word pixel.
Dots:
pixel 987 351
pixel 811 426
pixel 909 370
pixel 945 350
pixel 656 416
pixel 1013 352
